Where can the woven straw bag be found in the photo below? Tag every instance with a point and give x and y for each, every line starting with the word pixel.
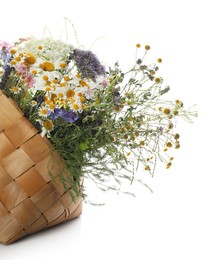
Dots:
pixel 30 200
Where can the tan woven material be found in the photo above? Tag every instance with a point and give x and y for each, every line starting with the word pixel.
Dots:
pixel 29 200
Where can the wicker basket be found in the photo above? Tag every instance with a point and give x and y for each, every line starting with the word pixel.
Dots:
pixel 29 200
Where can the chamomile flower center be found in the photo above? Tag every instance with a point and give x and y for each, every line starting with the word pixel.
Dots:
pixel 52 106
pixel 33 103
pixel 75 106
pixel 70 93
pixel 29 58
pixel 43 111
pixel 15 90
pixel 47 66
pixel 48 125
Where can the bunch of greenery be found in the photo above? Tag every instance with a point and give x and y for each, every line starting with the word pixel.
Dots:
pixel 106 124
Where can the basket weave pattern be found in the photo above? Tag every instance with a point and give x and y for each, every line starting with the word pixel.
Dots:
pixel 29 200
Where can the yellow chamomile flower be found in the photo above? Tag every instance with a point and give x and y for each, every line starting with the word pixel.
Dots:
pixel 29 58
pixel 34 103
pixel 47 126
pixel 43 111
pixel 16 90
pixel 47 66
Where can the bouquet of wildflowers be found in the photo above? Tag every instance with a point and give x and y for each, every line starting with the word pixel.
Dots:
pixel 106 124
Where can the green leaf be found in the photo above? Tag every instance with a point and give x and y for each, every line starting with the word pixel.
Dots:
pixel 84 146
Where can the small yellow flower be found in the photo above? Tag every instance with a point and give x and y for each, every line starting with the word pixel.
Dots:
pixel 128 126
pixel 175 112
pixel 30 59
pixel 177 136
pixel 168 144
pixel 159 60
pixel 82 99
pixel 15 90
pixel 40 47
pixel 63 84
pixel 75 106
pixel 132 137
pixel 34 72
pixel 45 77
pixel 168 165
pixel 22 82
pixel 47 66
pixel 147 47
pixel 70 93
pixel 66 78
pixel 12 51
pixel 136 133
pixel 17 59
pixel 13 62
pixel 63 65
pixel 48 125
pixel 33 103
pixel 47 100
pixel 52 106
pixel 83 83
pixel 157 80
pixel 138 45
pixel 130 118
pixel 48 83
pixel 47 88
pixel 43 111
pixel 60 94
pixel 142 143
pixel 117 108
pixel 167 111
pixel 54 81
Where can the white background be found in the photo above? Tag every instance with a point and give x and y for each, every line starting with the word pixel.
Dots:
pixel 173 222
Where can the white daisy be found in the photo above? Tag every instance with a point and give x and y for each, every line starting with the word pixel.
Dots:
pixel 43 111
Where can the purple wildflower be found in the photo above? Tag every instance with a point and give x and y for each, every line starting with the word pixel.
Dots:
pixel 6 57
pixel 67 116
pixel 6 46
pixel 117 97
pixel 7 71
pixel 4 51
pixel 56 113
pixel 40 99
pixel 87 63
